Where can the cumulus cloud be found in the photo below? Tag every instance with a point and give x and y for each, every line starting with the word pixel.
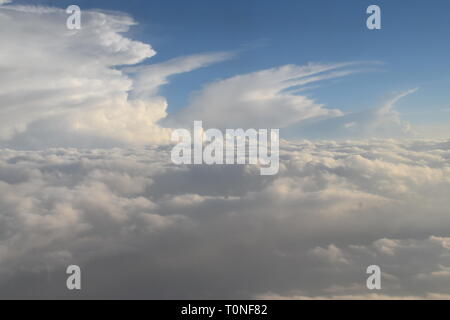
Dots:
pixel 169 231
pixel 50 72
pixel 147 80
pixel 63 87
pixel 414 263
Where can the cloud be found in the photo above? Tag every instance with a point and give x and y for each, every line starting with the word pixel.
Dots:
pixel 63 87
pixel 332 254
pixel 262 99
pixel 147 80
pixel 381 122
pixel 368 296
pixel 142 227
pixel 166 231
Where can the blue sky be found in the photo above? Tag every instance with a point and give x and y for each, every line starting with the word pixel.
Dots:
pixel 412 45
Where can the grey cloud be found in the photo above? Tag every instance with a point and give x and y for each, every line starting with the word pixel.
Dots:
pixel 141 227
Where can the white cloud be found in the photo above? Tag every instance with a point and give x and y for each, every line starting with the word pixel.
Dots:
pixel 381 122
pixel 61 87
pixel 262 99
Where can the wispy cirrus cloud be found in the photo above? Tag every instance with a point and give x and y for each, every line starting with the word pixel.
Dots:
pixel 378 122
pixel 262 99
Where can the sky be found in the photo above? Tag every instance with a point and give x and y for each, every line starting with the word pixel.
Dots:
pixel 86 176
pixel 411 47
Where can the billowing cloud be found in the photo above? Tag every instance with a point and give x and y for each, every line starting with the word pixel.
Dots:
pixel 169 231
pixel 50 72
pixel 62 87
pixel 147 80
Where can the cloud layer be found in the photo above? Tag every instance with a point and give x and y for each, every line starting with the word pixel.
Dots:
pixel 163 231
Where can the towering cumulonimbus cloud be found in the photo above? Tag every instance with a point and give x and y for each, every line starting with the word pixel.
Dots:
pixel 62 87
